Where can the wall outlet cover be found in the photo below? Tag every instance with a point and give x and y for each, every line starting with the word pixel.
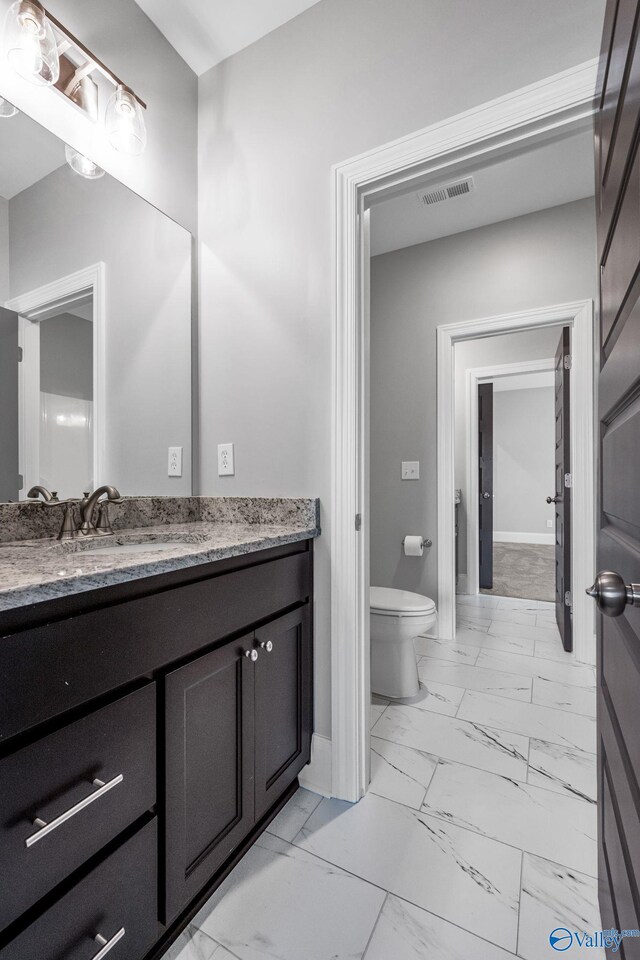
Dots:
pixel 550 524
pixel 410 469
pixel 226 460
pixel 174 467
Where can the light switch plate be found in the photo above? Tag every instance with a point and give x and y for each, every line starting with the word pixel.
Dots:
pixel 174 468
pixel 410 469
pixel 550 524
pixel 226 464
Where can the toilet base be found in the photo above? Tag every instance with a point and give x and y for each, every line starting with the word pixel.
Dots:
pixel 394 669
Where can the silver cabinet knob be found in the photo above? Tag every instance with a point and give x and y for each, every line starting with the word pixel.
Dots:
pixel 486 496
pixel 266 645
pixel 251 655
pixel 612 594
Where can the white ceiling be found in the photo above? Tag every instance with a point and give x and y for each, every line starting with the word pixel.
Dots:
pixel 204 32
pixel 546 176
pixel 28 153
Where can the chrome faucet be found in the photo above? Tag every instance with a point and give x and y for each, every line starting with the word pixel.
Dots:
pixel 88 505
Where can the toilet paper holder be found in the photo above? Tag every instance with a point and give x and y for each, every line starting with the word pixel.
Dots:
pixel 426 542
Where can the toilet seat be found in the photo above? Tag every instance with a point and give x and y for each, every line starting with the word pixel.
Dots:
pixel 389 602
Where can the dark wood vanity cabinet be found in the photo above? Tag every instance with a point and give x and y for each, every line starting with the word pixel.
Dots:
pixel 177 746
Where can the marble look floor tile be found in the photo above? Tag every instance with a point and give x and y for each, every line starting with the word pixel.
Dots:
pixel 564 696
pixel 445 650
pixel 457 874
pixel 503 628
pixel 475 678
pixel 484 614
pixel 496 641
pixel 469 621
pixel 522 815
pixel 550 648
pixel 437 697
pixel 270 905
pixel 577 674
pixel 375 698
pixel 514 603
pixel 529 720
pixel 553 896
pixel 406 932
pixel 375 712
pixel 478 599
pixel 400 773
pixel 192 944
pixel 571 772
pixel 454 739
pixel 294 814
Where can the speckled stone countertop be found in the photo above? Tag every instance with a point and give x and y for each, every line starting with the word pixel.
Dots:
pixel 35 570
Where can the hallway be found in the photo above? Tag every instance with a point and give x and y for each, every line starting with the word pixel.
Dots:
pixel 477 837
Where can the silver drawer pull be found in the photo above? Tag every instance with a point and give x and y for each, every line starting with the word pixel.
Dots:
pixel 107 945
pixel 44 828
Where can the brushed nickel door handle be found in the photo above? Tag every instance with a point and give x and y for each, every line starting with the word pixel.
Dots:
pixel 554 499
pixel 486 496
pixel 107 945
pixel 612 594
pixel 44 828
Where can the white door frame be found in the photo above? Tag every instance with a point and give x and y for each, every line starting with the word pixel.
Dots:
pixel 579 316
pixel 473 377
pixel 34 307
pixel 551 106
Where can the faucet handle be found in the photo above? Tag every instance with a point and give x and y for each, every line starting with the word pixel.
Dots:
pixel 102 523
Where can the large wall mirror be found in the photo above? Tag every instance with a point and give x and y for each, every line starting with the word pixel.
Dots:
pixel 95 327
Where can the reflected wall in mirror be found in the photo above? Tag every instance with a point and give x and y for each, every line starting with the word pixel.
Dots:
pixel 95 296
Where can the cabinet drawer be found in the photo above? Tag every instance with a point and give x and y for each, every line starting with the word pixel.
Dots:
pixel 116 902
pixel 87 782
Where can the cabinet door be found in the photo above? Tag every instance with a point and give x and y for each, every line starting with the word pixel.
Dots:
pixel 283 705
pixel 209 803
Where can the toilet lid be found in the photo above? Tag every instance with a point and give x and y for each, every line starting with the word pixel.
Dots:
pixel 388 600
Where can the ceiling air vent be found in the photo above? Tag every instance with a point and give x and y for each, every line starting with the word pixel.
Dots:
pixel 448 191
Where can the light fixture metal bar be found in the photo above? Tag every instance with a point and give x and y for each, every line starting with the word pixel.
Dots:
pixel 97 64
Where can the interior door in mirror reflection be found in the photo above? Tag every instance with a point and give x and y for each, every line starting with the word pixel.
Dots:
pixel 9 467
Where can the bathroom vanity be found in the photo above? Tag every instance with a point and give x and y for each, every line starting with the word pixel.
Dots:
pixel 151 725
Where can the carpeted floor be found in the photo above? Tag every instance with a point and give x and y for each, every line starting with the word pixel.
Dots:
pixel 524 570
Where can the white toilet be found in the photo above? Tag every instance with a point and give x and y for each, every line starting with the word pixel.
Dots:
pixel 397 617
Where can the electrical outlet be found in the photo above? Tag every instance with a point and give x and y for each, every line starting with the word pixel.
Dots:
pixel 175 462
pixel 226 466
pixel 550 524
pixel 410 469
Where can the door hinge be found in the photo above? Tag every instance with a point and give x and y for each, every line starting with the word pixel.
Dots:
pixel 568 480
pixel 567 599
pixel 358 521
pixel 567 362
pixel 20 353
pixel 20 482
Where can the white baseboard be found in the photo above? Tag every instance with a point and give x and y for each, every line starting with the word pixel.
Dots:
pixel 506 536
pixel 461 585
pixel 316 776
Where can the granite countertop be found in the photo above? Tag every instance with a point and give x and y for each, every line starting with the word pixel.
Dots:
pixel 32 571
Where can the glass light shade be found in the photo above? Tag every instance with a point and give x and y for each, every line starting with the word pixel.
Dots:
pixel 82 165
pixel 124 122
pixel 7 109
pixel 30 43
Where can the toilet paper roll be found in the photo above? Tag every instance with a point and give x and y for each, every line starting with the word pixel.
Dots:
pixel 413 546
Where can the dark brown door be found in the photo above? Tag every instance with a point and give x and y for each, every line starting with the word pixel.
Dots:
pixel 485 483
pixel 9 483
pixel 618 663
pixel 562 496
pixel 283 705
pixel 209 805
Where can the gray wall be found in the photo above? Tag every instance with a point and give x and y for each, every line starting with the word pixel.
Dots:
pixel 66 356
pixel 122 36
pixel 537 260
pixel 509 348
pixel 148 313
pixel 343 77
pixel 524 461
pixel 4 250
pixel 8 405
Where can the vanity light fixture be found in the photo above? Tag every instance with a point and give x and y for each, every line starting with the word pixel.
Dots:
pixel 7 109
pixel 82 165
pixel 41 50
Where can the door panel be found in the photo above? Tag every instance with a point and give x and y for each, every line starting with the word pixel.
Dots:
pixel 562 492
pixel 283 705
pixel 209 766
pixel 618 657
pixel 485 483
